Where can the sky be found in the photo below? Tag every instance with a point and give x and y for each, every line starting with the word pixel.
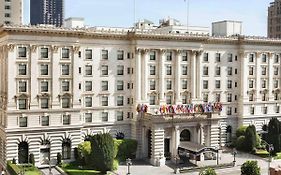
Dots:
pixel 120 13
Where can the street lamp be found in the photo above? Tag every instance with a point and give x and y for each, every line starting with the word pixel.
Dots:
pixel 129 163
pixel 270 149
pixel 234 154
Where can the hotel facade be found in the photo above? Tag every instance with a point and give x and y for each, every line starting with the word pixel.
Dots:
pixel 163 89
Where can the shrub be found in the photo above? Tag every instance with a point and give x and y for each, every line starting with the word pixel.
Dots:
pixel 31 159
pixel 251 138
pixel 102 154
pixel 250 168
pixel 124 149
pixel 84 152
pixel 208 171
pixel 274 131
pixel 241 131
pixel 59 159
pixel 115 164
pixel 240 143
pixel 12 168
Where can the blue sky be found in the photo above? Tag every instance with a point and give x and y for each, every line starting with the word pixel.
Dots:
pixel 120 13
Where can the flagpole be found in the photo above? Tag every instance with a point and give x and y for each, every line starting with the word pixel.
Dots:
pixel 134 23
pixel 187 14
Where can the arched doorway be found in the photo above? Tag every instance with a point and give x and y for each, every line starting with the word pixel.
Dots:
pixel 23 152
pixel 185 136
pixel 66 149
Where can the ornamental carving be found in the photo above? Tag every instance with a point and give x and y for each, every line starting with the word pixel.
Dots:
pixel 11 47
pixel 138 50
pixel 55 49
pixel 76 49
pixel 163 51
pixel 33 48
pixel 179 52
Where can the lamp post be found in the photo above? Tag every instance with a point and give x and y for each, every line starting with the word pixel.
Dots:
pixel 129 163
pixel 234 155
pixel 270 149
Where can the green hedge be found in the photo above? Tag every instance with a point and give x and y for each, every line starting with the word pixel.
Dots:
pixel 125 148
pixel 12 168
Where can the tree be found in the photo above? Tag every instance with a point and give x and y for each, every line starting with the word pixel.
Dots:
pixel 250 168
pixel 102 154
pixel 273 136
pixel 208 171
pixel 59 159
pixel 31 159
pixel 84 152
pixel 241 131
pixel 240 143
pixel 251 138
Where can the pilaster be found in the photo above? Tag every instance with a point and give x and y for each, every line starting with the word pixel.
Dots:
pixel 162 76
pixel 178 77
pixel 258 76
pixel 138 75
pixel 270 76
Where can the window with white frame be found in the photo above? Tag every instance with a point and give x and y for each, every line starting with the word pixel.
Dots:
pixel 44 86
pixel 252 110
pixel 22 68
pixel 205 84
pixel 229 84
pixel 88 85
pixel 65 102
pixel 169 84
pixel 104 54
pixel 275 83
pixel 263 84
pixel 88 117
pixel 264 110
pixel 205 57
pixel 65 69
pixel 218 84
pixel 218 57
pixel 120 115
pixel 66 119
pixel 65 53
pixel 88 70
pixel 152 84
pixel 88 102
pixel 218 71
pixel 229 57
pixel 152 70
pixel 184 99
pixel 44 102
pixel 120 55
pixel 276 70
pixel 277 109
pixel 169 70
pixel 65 86
pixel 169 99
pixel 44 53
pixel 104 116
pixel 22 103
pixel 152 100
pixel 88 54
pixel 44 69
pixel 104 85
pixel 228 111
pixel 263 96
pixel 184 70
pixel 229 97
pixel 184 56
pixel 263 70
pixel 169 56
pixel 22 86
pixel 120 70
pixel 22 52
pixel 229 70
pixel 184 84
pixel 218 97
pixel 276 96
pixel 251 83
pixel 104 70
pixel 264 58
pixel 45 120
pixel 104 100
pixel 205 97
pixel 276 58
pixel 120 85
pixel 251 97
pixel 120 100
pixel 205 70
pixel 251 58
pixel 22 121
pixel 152 56
pixel 251 70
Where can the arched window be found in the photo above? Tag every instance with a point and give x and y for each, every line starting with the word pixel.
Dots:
pixel 23 152
pixel 66 149
pixel 185 136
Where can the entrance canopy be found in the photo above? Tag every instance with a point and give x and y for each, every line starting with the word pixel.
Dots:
pixel 195 148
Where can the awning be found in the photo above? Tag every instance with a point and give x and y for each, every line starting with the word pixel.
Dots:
pixel 195 148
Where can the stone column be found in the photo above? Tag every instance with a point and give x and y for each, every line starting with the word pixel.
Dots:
pixel 56 83
pixel 178 77
pixel 198 75
pixel 258 76
pixel 34 68
pixel 193 74
pixel 175 141
pixel 75 77
pixel 162 74
pixel 270 76
pixel 138 76
pixel 145 76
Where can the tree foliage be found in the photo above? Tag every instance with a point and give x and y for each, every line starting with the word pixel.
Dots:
pixel 208 171
pixel 250 168
pixel 273 136
pixel 250 138
pixel 241 131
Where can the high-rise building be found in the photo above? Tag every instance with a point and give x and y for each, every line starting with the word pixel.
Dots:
pixel 10 11
pixel 274 20
pixel 47 12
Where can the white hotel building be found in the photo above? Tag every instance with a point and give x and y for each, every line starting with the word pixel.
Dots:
pixel 60 85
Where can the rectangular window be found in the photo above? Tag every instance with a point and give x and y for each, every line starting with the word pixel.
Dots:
pixel 88 70
pixel 120 55
pixel 184 56
pixel 184 70
pixel 205 84
pixel 104 54
pixel 104 116
pixel 251 97
pixel 205 57
pixel 104 70
pixel 277 109
pixel 252 110
pixel 218 71
pixel 65 69
pixel 263 84
pixel 22 52
pixel 169 56
pixel 251 58
pixel 264 110
pixel 44 86
pixel 66 119
pixel 7 15
pixel 218 57
pixel 128 70
pixel 229 111
pixel 263 70
pixel 168 70
pixel 184 99
pixel 65 86
pixel 276 59
pixel 251 83
pixel 104 85
pixel 120 85
pixel 104 100
pixel 44 103
pixel 205 70
pixel 152 100
pixel 22 69
pixel 152 70
pixel 169 99
pixel 152 56
pixel 218 84
pixel 22 103
pixel 120 70
pixel 22 86
pixel 44 69
pixel 229 57
pixel 169 85
pixel 184 84
pixel 88 118
pixel 65 53
pixel 264 58
pixel 88 85
pixel 229 70
pixel 275 83
pixel 45 121
pixel 251 70
pixel 229 97
pixel 152 84
pixel 229 84
pixel 218 97
pixel 44 52
pixel 120 100
pixel 120 116
pixel 65 102
pixel 276 70
pixel 88 54
pixel 205 98
pixel 88 102
pixel 23 121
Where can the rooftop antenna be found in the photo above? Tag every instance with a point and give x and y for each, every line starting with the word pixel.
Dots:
pixel 134 23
